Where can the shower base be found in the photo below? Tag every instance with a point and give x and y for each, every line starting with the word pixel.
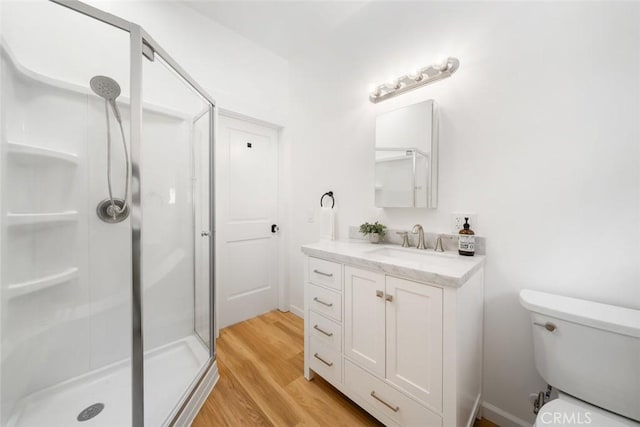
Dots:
pixel 169 371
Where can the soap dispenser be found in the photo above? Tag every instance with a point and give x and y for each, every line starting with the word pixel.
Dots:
pixel 466 240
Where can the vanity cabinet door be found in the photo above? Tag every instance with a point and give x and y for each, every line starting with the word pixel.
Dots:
pixel 414 339
pixel 364 328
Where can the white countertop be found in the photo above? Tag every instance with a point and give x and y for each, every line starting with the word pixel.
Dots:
pixel 439 268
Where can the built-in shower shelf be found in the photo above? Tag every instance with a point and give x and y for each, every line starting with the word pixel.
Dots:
pixel 30 154
pixel 18 219
pixel 23 288
pixel 401 157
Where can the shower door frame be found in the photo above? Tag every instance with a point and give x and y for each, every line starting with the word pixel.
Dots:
pixel 139 38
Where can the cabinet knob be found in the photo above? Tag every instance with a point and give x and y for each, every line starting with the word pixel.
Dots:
pixel 389 298
pixel 379 294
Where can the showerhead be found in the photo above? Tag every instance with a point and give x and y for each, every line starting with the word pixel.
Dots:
pixel 108 89
pixel 105 87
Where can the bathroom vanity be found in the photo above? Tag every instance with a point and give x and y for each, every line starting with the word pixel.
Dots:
pixel 397 330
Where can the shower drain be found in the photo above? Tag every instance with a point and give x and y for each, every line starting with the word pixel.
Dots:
pixel 90 412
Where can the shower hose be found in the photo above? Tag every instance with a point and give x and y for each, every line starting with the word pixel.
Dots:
pixel 115 210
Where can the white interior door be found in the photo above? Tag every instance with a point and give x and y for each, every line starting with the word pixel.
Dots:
pixel 247 194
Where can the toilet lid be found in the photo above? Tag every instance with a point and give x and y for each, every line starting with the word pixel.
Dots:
pixel 569 411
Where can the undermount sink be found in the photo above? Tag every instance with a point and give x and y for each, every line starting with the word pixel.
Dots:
pixel 418 255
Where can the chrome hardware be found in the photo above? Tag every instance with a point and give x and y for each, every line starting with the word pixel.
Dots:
pixel 375 396
pixel 439 247
pixel 90 412
pixel 328 304
pixel 112 212
pixel 379 294
pixel 405 238
pixel 205 234
pixel 417 229
pixel 322 360
pixel 329 334
pixel 543 397
pixel 388 298
pixel 548 326
pixel 323 273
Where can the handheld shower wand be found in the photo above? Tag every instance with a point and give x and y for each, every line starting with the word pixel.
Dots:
pixel 108 89
pixel 112 210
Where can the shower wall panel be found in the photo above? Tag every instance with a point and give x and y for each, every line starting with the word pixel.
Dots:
pixel 167 233
pixel 45 297
pixel 81 322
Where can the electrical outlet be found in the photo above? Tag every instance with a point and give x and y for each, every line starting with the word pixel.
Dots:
pixel 457 221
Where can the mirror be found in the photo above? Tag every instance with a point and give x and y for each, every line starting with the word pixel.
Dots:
pixel 406 168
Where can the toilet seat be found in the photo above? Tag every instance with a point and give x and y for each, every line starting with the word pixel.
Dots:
pixel 569 411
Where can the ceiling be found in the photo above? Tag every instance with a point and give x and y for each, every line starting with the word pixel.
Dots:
pixel 283 27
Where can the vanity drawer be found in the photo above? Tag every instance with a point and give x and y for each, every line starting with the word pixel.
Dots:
pixel 325 273
pixel 324 301
pixel 374 393
pixel 326 331
pixel 325 360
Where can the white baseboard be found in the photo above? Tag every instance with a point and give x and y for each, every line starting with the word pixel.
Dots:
pixel 296 310
pixel 502 418
pixel 475 412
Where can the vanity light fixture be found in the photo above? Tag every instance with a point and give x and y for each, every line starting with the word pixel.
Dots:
pixel 414 80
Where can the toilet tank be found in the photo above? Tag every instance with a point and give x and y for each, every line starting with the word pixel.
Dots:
pixel 587 349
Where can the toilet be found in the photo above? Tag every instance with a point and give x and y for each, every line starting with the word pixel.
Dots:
pixel 590 354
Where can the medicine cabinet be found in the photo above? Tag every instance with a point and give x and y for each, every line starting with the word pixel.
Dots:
pixel 406 157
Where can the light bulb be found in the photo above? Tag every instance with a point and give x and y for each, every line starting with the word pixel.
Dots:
pixel 442 66
pixel 415 74
pixel 393 84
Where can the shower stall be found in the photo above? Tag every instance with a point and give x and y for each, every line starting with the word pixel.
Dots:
pixel 106 203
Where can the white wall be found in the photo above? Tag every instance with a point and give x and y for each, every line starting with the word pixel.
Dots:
pixel 241 76
pixel 539 137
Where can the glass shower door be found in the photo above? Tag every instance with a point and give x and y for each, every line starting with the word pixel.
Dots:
pixel 175 239
pixel 65 275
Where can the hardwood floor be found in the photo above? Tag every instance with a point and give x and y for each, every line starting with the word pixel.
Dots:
pixel 261 382
pixel 484 423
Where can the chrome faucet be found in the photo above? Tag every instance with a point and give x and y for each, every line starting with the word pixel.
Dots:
pixel 439 247
pixel 405 238
pixel 417 229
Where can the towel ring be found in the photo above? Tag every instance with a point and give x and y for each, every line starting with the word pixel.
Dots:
pixel 330 194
